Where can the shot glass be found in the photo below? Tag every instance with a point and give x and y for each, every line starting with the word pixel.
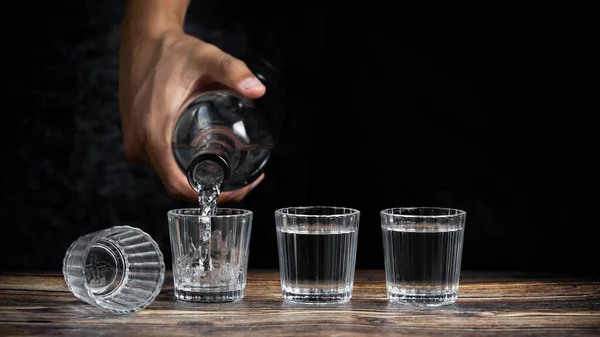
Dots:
pixel 423 249
pixel 317 253
pixel 210 254
pixel 119 269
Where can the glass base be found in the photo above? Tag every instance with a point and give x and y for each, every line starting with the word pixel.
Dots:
pixel 209 295
pixel 316 297
pixel 104 268
pixel 431 299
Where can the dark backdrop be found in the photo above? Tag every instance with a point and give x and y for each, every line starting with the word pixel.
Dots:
pixel 483 109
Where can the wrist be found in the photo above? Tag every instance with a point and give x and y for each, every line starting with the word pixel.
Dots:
pixel 152 18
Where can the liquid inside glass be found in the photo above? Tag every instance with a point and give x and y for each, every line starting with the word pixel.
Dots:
pixel 317 265
pixel 422 263
pixel 210 261
pixel 199 260
pixel 213 269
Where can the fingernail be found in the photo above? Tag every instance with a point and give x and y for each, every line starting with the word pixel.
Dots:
pixel 251 83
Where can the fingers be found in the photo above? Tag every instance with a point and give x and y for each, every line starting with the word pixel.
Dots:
pixel 172 83
pixel 238 195
pixel 175 182
pixel 231 72
pixel 134 152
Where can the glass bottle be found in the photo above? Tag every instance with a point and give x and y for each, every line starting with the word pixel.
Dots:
pixel 223 139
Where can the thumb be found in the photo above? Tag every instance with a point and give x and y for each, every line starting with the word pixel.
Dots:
pixel 231 72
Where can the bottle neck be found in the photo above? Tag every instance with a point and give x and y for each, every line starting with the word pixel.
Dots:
pixel 214 159
pixel 207 170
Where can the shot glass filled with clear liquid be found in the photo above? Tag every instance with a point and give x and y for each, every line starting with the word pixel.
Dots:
pixel 423 250
pixel 317 253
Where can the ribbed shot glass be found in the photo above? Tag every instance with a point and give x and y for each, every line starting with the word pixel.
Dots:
pixel 423 249
pixel 317 253
pixel 210 254
pixel 119 269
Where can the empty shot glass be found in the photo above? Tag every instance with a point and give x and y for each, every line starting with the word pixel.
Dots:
pixel 317 253
pixel 423 249
pixel 119 269
pixel 210 254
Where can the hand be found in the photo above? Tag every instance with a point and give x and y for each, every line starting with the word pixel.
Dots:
pixel 158 75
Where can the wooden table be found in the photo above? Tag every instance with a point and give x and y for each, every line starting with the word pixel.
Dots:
pixel 489 304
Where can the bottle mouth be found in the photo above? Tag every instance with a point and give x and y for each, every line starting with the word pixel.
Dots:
pixel 207 170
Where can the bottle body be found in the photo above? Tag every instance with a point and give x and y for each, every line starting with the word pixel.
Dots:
pixel 221 139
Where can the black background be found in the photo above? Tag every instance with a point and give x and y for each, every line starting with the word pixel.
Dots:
pixel 487 109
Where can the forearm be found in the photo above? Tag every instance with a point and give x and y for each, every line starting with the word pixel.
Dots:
pixel 151 18
pixel 144 24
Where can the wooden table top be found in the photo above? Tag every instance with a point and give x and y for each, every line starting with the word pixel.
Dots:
pixel 489 304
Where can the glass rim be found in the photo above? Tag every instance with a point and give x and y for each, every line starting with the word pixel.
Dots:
pixel 177 212
pixel 389 212
pixel 282 212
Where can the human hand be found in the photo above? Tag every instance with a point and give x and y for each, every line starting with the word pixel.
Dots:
pixel 159 73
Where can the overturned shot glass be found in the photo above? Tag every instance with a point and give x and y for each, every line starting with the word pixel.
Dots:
pixel 119 269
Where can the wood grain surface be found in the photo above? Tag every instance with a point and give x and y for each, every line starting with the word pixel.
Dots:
pixel 489 304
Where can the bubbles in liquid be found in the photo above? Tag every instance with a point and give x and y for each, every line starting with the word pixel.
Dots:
pixel 207 200
pixel 207 263
pixel 198 264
